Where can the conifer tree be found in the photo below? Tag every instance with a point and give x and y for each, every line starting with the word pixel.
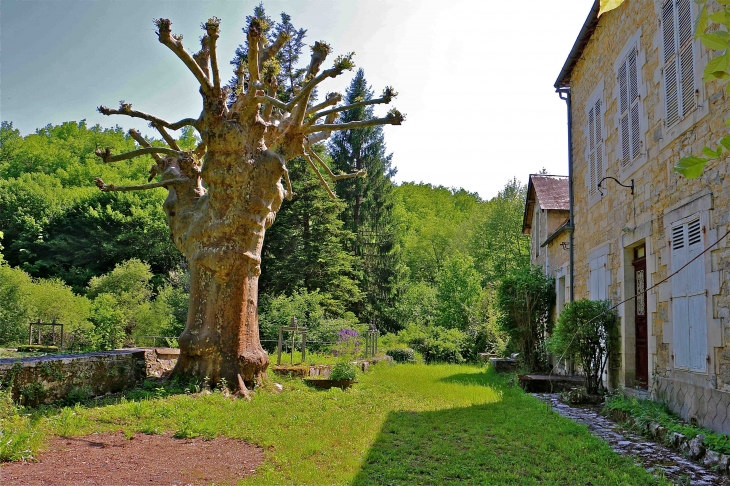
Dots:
pixel 369 210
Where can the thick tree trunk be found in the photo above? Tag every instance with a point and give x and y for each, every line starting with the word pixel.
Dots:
pixel 223 242
pixel 221 339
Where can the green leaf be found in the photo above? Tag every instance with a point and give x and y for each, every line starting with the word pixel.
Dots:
pixel 714 41
pixel 691 167
pixel 725 141
pixel 702 22
pixel 721 17
pixel 718 67
pixel 723 2
pixel 712 153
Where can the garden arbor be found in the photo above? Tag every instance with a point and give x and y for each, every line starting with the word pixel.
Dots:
pixel 223 195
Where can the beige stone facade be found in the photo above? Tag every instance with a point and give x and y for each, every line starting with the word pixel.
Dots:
pixel 612 228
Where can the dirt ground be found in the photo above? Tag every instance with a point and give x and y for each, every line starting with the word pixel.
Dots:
pixel 113 459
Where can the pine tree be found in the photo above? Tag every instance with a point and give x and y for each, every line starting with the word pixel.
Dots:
pixel 369 210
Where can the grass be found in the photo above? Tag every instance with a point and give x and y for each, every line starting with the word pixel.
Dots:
pixel 402 424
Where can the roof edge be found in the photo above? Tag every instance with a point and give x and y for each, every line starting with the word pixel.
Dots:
pixel 556 233
pixel 589 26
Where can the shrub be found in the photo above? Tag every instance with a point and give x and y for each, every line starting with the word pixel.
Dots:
pixel 436 344
pixel 587 330
pixel 343 370
pixel 402 355
pixel 525 298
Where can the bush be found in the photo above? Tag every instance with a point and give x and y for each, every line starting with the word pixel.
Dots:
pixel 402 355
pixel 525 298
pixel 436 344
pixel 343 370
pixel 587 330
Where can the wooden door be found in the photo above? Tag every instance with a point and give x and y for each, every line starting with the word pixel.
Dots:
pixel 641 331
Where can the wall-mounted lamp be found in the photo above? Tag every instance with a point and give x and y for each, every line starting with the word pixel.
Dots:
pixel 617 182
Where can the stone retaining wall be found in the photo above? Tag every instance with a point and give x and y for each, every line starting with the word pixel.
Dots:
pixel 46 379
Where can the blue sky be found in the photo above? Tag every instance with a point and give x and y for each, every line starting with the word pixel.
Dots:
pixel 475 77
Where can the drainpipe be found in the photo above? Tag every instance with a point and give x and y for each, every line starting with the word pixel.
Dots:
pixel 564 93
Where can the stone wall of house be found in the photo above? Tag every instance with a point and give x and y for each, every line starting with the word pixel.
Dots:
pixel 619 222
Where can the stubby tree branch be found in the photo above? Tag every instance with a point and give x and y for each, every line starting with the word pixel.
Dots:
pixel 107 156
pixel 337 177
pixel 394 117
pixel 174 43
pixel 202 58
pixel 319 176
pixel 126 109
pixel 387 97
pixel 331 99
pixel 274 48
pixel 170 141
pixel 141 187
pixel 142 142
pixel 212 29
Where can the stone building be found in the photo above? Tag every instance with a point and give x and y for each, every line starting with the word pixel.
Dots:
pixel 638 103
pixel 546 220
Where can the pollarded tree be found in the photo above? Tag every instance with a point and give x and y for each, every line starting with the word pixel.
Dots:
pixel 223 195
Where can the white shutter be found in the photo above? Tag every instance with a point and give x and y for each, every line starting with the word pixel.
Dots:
pixel 598 278
pixel 689 302
pixel 599 140
pixel 671 87
pixel 680 310
pixel 624 131
pixel 697 310
pixel 629 121
pixel 686 55
pixel 592 181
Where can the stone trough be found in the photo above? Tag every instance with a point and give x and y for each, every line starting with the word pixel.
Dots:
pixel 549 383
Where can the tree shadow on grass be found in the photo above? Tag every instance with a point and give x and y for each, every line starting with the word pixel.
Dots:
pixel 512 441
pixel 488 378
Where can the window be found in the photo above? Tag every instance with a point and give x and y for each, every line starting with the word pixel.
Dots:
pixel 679 60
pixel 595 145
pixel 599 279
pixel 629 107
pixel 689 314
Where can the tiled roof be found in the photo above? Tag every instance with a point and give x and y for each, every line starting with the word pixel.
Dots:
pixel 551 191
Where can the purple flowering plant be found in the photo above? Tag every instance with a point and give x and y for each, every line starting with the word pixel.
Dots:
pixel 348 342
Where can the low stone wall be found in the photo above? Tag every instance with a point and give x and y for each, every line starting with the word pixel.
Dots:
pixel 160 361
pixel 47 379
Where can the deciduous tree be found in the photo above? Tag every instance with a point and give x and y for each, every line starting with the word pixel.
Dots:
pixel 223 195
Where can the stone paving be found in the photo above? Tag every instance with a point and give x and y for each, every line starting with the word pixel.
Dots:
pixel 654 457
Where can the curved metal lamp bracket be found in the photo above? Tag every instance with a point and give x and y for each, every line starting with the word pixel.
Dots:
pixel 617 182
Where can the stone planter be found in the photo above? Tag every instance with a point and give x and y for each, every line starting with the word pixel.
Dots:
pixel 327 384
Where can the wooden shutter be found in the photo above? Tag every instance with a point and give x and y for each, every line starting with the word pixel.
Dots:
pixel 689 300
pixel 599 140
pixel 686 56
pixel 598 278
pixel 680 310
pixel 696 298
pixel 592 181
pixel 671 85
pixel 629 122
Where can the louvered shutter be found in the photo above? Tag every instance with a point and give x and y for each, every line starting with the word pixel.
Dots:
pixel 696 298
pixel 629 122
pixel 599 140
pixel 634 104
pixel 592 181
pixel 680 309
pixel 624 130
pixel 686 55
pixel 598 278
pixel 671 85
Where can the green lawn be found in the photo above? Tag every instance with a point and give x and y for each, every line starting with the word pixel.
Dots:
pixel 403 424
